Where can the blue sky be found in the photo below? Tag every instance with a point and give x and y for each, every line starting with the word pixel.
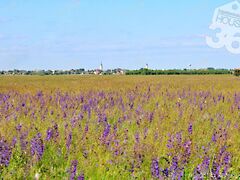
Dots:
pixel 65 34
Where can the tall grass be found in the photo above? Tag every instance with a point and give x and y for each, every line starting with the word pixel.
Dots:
pixel 118 127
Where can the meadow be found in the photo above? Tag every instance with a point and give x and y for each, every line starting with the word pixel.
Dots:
pixel 120 127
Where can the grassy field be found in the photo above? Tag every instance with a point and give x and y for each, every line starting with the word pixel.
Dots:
pixel 120 127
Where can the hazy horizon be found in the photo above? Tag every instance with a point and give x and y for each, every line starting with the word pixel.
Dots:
pixel 72 34
pixel 105 69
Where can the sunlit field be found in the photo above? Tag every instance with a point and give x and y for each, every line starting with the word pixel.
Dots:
pixel 120 127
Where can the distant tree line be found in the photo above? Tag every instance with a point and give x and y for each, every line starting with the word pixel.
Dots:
pixel 142 71
pixel 117 71
pixel 42 72
pixel 237 72
pixel 179 72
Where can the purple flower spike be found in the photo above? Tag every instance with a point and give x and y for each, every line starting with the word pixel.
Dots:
pixel 52 133
pixel 190 128
pixel 69 141
pixel 19 127
pixel 81 177
pixel 155 168
pixel 37 147
pixel 5 153
pixel 49 134
pixel 106 131
pixel 174 166
pixel 73 169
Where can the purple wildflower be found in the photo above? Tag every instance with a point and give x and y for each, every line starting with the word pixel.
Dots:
pixel 197 173
pixel 106 131
pixel 69 141
pixel 155 168
pixel 86 128
pixel 151 116
pixel 166 172
pixel 52 133
pixel 174 165
pixel 216 170
pixel 190 128
pixel 187 152
pixel 49 134
pixel 202 169
pixel 14 142
pixel 5 153
pixel 19 127
pixel 81 177
pixel 214 137
pixel 73 169
pixel 37 147
pixel 137 138
pixel 145 132
pixel 23 141
pixel 226 162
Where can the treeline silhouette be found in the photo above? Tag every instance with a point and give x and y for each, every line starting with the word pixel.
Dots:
pixel 42 72
pixel 178 72
pixel 142 71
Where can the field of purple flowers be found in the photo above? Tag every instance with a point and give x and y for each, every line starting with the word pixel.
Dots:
pixel 166 127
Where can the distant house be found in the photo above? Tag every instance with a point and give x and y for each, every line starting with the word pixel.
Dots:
pixel 120 71
pixel 98 72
